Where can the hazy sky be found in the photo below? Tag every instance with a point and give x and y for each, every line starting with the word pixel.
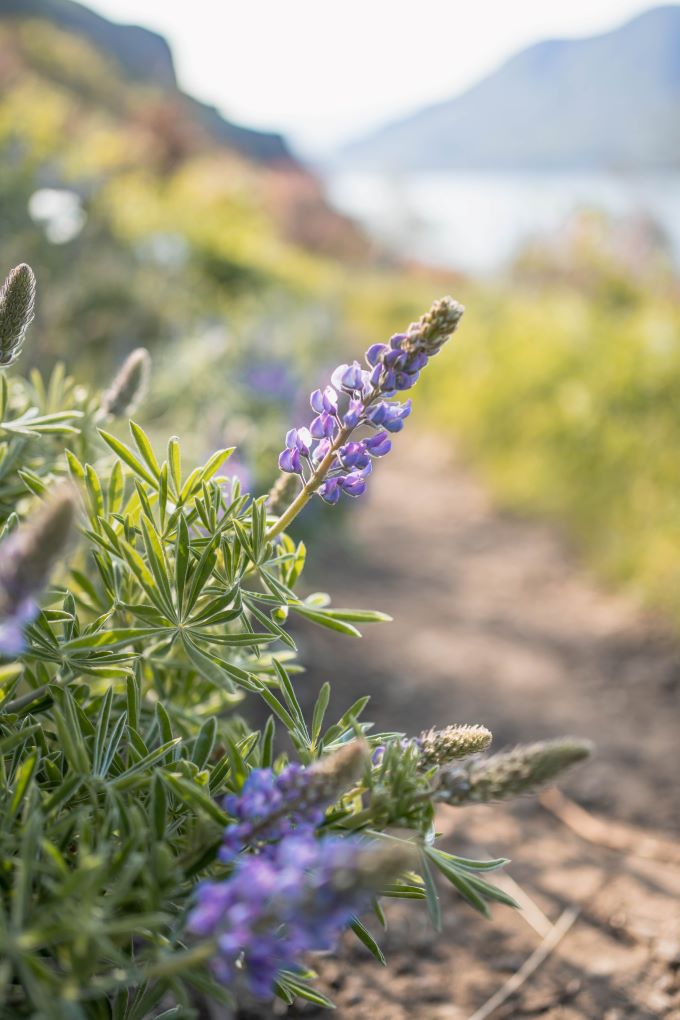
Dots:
pixel 323 71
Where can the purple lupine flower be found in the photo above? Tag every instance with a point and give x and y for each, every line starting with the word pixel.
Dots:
pixel 324 400
pixel 290 461
pixel 320 450
pixel 374 353
pixel 378 445
pixel 324 426
pixel 368 402
pixel 295 897
pixel 348 377
pixel 299 439
pixel 354 484
pixel 353 414
pixel 267 807
pixel 354 455
pixel 330 489
pixel 12 641
pixel 389 414
pixel 270 804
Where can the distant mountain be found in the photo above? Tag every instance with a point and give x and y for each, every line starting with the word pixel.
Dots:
pixel 609 101
pixel 145 57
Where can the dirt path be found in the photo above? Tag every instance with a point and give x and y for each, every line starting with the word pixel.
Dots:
pixel 496 623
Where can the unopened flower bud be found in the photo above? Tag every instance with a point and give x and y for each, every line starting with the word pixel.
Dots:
pixel 434 328
pixel 438 747
pixel 511 773
pixel 129 387
pixel 17 305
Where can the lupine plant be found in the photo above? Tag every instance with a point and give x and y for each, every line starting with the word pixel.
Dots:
pixel 157 853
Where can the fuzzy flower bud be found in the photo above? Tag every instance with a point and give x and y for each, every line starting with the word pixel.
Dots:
pixel 26 559
pixel 17 304
pixel 438 747
pixel 434 328
pixel 129 387
pixel 511 773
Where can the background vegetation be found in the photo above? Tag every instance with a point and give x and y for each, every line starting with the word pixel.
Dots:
pixel 144 227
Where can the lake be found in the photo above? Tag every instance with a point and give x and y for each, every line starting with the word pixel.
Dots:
pixel 476 222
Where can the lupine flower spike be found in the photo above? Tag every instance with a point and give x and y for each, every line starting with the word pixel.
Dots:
pixel 129 387
pixel 26 560
pixel 296 897
pixel 511 773
pixel 17 304
pixel 324 454
pixel 271 805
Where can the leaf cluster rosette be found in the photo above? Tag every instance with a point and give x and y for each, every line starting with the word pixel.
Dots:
pixel 156 851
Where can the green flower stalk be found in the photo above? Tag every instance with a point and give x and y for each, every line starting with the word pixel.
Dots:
pixel 129 387
pixel 17 308
pixel 511 773
pixel 439 747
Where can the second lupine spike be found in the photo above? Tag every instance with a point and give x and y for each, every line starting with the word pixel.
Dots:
pixel 511 773
pixel 129 387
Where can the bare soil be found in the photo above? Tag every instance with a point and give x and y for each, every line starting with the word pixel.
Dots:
pixel 495 621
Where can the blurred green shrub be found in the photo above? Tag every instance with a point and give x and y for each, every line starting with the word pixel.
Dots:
pixel 568 401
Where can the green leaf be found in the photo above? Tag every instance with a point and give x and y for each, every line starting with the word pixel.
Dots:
pixel 122 780
pixel 159 807
pixel 116 489
pixel 431 895
pixel 94 492
pixel 324 620
pixel 133 698
pixel 207 665
pixel 320 710
pixel 22 781
pixel 358 615
pixel 193 796
pixel 145 448
pixel 290 697
pixel 128 457
pixel 289 986
pixel 365 936
pixel 175 462
pixel 159 566
pixel 205 741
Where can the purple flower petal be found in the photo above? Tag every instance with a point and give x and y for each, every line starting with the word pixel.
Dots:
pixel 289 460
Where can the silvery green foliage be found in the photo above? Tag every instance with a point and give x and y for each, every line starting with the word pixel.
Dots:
pixel 128 774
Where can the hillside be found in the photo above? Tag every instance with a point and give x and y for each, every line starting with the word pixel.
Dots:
pixel 144 56
pixel 609 101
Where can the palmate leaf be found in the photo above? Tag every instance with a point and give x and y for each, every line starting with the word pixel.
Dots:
pixel 463 875
pixel 290 986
